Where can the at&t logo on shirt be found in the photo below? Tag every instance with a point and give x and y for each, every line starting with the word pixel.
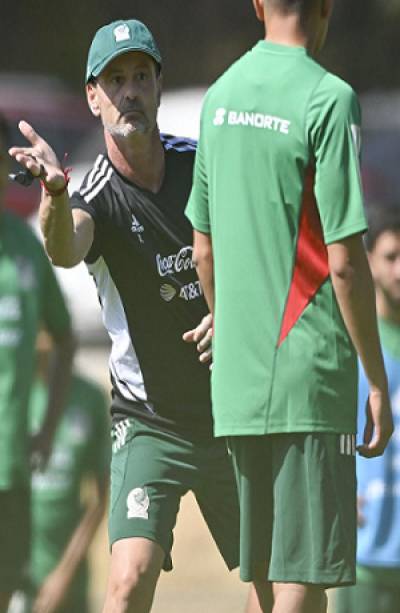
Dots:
pixel 250 119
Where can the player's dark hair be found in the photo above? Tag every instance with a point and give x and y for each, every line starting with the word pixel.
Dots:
pixel 4 131
pixel 381 218
pixel 301 7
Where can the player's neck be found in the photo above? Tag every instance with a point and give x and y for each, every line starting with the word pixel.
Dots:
pixel 139 158
pixel 386 310
pixel 285 30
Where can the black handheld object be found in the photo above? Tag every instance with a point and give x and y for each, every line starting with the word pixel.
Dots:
pixel 23 177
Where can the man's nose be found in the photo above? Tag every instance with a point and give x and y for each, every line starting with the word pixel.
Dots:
pixel 131 90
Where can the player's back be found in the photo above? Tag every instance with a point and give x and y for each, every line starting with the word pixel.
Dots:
pixel 282 182
pixel 257 147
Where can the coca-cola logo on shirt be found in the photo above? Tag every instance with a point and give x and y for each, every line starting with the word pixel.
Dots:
pixel 175 263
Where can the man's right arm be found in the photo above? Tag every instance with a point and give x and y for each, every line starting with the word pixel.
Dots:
pixel 354 289
pixel 68 235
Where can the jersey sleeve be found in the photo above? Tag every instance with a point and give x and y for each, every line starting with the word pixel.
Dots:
pixel 54 313
pixel 197 209
pixel 334 129
pixel 77 201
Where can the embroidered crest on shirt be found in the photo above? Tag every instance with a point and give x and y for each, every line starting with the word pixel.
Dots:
pixel 138 503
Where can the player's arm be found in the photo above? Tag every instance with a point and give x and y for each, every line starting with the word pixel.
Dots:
pixel 59 380
pixel 57 584
pixel 68 235
pixel 355 293
pixel 204 262
pixel 55 320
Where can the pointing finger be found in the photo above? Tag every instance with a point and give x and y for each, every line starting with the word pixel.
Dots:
pixel 29 133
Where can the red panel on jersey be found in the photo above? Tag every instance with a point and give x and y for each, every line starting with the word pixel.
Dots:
pixel 311 263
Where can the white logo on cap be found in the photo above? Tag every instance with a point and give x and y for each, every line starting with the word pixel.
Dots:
pixel 121 33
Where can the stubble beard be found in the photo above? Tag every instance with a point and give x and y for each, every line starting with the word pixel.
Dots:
pixel 123 131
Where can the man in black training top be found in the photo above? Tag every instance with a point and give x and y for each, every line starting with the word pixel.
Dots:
pixel 127 223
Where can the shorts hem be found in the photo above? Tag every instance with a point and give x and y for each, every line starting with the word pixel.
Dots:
pixel 328 580
pixel 139 534
pixel 300 429
pixel 229 564
pixel 150 537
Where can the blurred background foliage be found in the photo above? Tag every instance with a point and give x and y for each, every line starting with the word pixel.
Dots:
pixel 198 38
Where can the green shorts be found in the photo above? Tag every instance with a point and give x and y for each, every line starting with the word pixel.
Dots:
pixel 298 507
pixel 14 537
pixel 150 472
pixel 377 591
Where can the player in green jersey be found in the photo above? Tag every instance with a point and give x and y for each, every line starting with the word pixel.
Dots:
pixel 61 528
pixel 277 209
pixel 29 297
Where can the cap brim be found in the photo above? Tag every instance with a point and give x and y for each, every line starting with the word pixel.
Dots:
pixel 98 69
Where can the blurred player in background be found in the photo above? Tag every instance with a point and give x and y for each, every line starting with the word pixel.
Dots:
pixel 378 543
pixel 128 223
pixel 277 208
pixel 29 298
pixel 63 527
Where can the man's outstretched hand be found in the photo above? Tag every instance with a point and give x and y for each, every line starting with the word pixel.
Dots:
pixel 39 158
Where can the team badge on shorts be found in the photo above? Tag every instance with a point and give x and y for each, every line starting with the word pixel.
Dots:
pixel 138 503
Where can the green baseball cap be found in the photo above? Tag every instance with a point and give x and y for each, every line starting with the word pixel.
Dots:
pixel 116 38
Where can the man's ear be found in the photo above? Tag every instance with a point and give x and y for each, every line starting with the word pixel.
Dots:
pixel 259 9
pixel 371 262
pixel 91 95
pixel 159 89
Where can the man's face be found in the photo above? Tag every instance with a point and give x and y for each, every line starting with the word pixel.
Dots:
pixel 384 260
pixel 126 95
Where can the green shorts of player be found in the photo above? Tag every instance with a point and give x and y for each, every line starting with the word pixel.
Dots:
pixel 377 591
pixel 150 472
pixel 297 507
pixel 14 537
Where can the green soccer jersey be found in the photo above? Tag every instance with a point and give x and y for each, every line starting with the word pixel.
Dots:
pixel 81 448
pixel 276 180
pixel 29 297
